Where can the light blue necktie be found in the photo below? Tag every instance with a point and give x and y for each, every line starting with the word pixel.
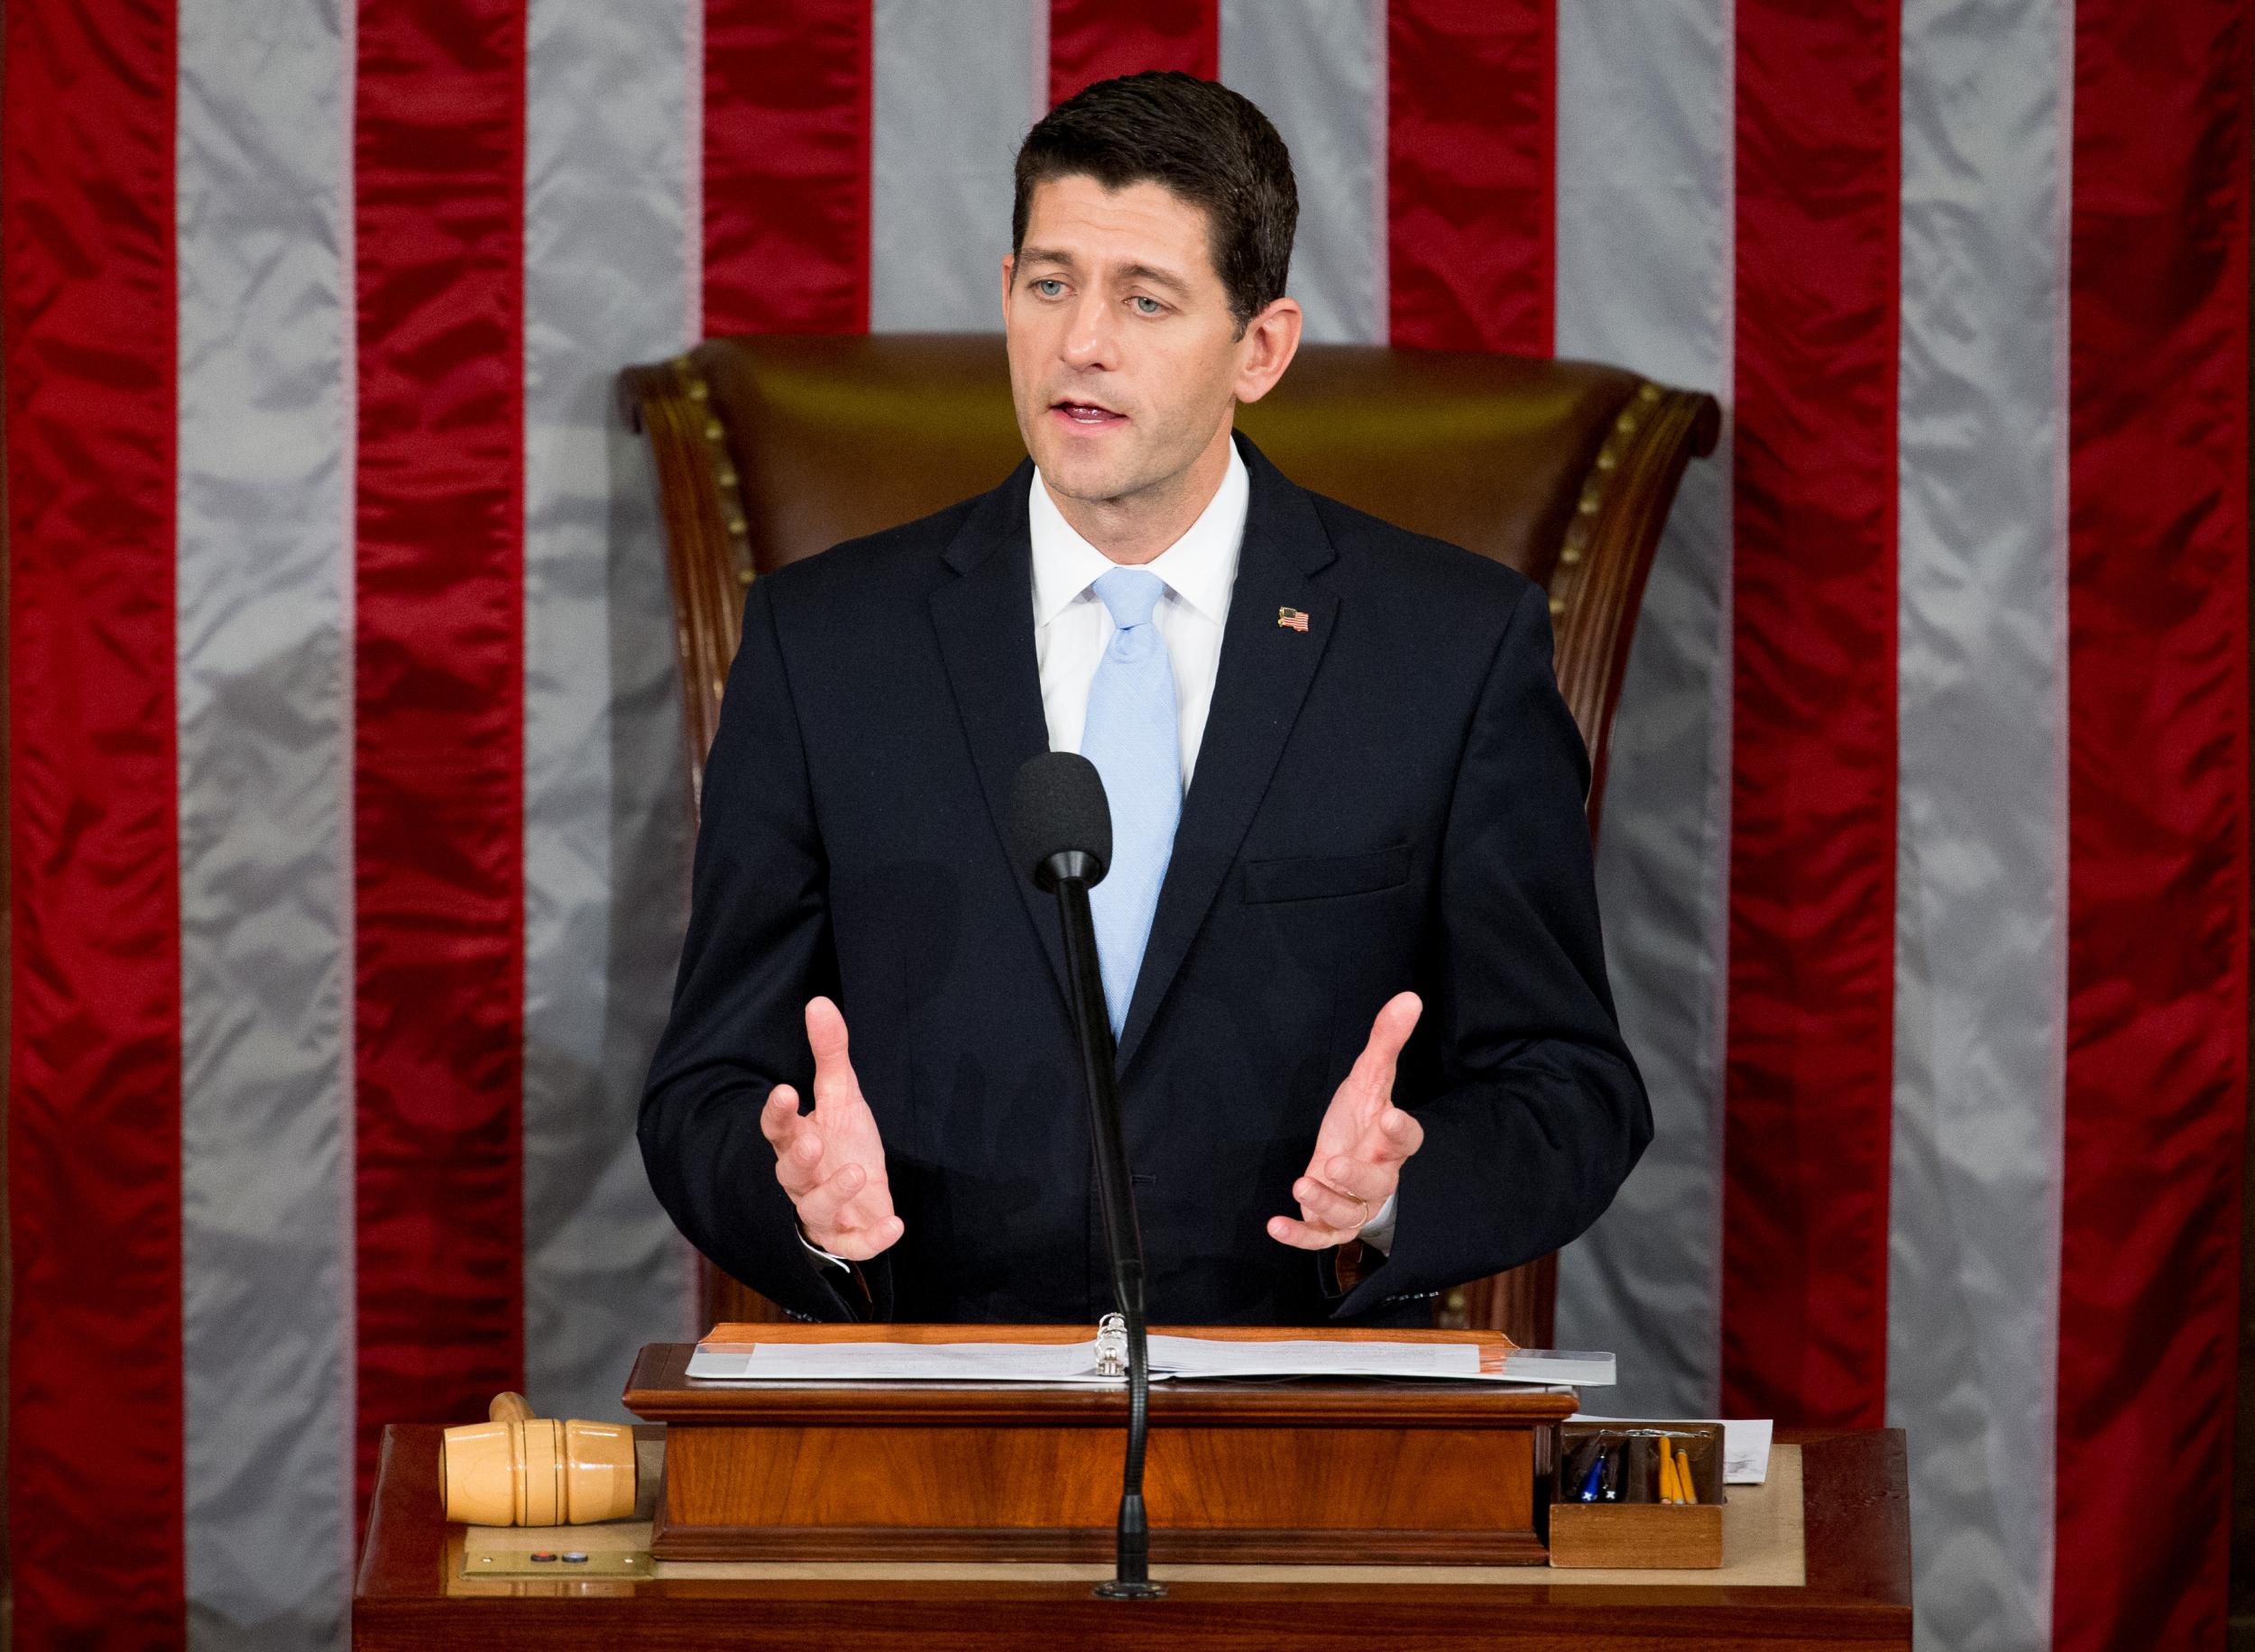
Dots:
pixel 1130 736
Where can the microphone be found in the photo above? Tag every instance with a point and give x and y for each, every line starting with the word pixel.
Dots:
pixel 1061 826
pixel 1061 830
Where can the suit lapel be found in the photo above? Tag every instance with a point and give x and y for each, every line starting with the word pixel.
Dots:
pixel 985 621
pixel 1264 671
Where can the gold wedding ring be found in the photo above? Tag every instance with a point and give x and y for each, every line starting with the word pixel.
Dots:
pixel 1366 1211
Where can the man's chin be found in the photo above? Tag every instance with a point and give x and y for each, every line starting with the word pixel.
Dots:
pixel 1085 477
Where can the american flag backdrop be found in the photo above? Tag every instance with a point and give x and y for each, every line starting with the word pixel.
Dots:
pixel 347 806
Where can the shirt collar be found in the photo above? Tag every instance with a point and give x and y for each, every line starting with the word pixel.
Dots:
pixel 1200 567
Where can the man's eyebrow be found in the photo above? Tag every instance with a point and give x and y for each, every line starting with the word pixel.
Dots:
pixel 1044 256
pixel 1158 278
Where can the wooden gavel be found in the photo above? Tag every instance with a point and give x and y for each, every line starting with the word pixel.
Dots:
pixel 522 1470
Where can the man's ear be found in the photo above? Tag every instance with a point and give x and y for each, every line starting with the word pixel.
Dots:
pixel 1271 340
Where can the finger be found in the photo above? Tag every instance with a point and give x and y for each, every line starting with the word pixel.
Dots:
pixel 1324 1205
pixel 876 1201
pixel 859 1245
pixel 798 1166
pixel 834 1081
pixel 778 1120
pixel 820 1205
pixel 1374 1068
pixel 1394 1136
pixel 868 1211
pixel 1360 1177
pixel 1305 1236
pixel 1391 1136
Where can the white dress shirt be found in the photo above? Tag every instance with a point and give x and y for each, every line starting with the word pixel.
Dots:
pixel 1072 627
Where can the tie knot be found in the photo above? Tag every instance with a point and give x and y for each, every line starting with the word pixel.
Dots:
pixel 1131 594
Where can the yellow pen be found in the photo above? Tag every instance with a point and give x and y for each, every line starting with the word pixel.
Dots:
pixel 1667 1473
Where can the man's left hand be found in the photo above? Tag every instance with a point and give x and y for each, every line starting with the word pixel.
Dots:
pixel 1359 1150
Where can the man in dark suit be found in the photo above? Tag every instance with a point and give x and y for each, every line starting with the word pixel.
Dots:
pixel 1347 796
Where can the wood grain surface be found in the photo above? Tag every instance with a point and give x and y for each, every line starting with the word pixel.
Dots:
pixel 1295 1471
pixel 1266 1493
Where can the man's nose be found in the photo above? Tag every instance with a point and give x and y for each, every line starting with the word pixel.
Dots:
pixel 1092 341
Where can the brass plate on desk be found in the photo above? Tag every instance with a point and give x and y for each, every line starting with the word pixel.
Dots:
pixel 566 1553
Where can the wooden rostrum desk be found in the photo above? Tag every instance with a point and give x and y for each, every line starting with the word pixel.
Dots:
pixel 1819 1556
pixel 1276 1472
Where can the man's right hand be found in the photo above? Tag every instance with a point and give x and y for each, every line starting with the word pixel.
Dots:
pixel 831 1162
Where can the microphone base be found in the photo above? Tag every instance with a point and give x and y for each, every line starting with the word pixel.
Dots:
pixel 1121 1589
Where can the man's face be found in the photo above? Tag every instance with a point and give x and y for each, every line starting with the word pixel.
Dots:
pixel 1124 358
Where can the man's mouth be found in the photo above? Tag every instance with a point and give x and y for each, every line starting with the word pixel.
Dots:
pixel 1086 414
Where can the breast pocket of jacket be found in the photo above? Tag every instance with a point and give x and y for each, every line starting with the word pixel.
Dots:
pixel 1316 877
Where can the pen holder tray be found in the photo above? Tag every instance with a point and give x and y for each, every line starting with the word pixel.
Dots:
pixel 1630 1526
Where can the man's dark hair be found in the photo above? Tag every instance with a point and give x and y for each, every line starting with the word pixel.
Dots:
pixel 1205 143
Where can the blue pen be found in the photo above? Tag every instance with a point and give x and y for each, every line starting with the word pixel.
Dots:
pixel 1592 1480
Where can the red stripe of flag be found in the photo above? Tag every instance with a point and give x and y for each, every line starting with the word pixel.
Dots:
pixel 94 1466
pixel 1471 174
pixel 2157 829
pixel 437 705
pixel 1095 40
pixel 1812 902
pixel 787 166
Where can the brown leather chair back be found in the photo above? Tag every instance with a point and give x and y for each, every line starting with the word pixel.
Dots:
pixel 773 448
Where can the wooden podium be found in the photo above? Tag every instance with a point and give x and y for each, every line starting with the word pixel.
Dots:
pixel 1291 1471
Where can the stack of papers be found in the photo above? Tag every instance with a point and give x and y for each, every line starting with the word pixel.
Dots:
pixel 1173 1358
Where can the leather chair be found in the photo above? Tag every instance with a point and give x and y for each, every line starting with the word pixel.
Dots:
pixel 768 449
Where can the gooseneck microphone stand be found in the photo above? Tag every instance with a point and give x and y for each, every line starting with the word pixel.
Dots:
pixel 1068 873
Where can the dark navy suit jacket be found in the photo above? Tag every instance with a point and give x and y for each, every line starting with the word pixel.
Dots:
pixel 1393 798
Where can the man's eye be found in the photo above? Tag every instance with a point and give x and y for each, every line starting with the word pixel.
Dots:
pixel 1049 286
pixel 1148 307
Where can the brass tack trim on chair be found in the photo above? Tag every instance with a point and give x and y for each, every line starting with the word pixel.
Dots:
pixel 1603 558
pixel 727 493
pixel 722 477
pixel 707 532
pixel 1592 502
pixel 723 472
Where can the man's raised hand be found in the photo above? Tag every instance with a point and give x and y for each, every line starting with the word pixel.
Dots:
pixel 1364 1140
pixel 831 1162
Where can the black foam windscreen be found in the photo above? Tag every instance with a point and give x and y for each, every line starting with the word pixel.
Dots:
pixel 1057 804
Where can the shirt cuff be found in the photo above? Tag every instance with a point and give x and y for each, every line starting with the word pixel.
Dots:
pixel 816 1250
pixel 1378 1232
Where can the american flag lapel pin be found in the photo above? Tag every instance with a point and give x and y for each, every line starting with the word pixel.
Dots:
pixel 1290 620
